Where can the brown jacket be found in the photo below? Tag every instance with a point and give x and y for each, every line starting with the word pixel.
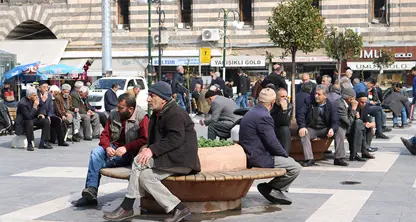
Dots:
pixel 69 100
pixel 59 107
pixel 257 89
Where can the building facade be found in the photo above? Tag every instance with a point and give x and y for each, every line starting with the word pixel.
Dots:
pixel 193 24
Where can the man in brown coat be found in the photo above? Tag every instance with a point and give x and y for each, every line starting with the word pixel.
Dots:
pixel 71 111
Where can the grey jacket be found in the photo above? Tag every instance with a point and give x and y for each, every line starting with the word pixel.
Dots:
pixel 222 110
pixel 132 125
pixel 346 114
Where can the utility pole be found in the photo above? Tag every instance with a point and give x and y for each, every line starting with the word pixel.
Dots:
pixel 106 38
pixel 224 50
pixel 161 13
pixel 149 48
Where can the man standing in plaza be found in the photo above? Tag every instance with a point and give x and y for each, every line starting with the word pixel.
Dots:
pixel 242 90
pixel 172 149
pixel 179 89
pixel 222 117
pixel 124 133
pixel 110 98
pixel 275 78
pixel 264 150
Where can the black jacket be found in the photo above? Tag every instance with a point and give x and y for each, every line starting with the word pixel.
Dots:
pixel 25 111
pixel 396 101
pixel 110 100
pixel 302 99
pixel 218 81
pixel 280 117
pixel 242 86
pixel 277 80
pixel 179 84
pixel 173 140
pixel 308 113
pixel 228 92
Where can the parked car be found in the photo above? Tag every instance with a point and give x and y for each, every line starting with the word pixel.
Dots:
pixel 99 87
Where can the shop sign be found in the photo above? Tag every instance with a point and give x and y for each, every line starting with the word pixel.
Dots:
pixel 240 61
pixel 205 55
pixel 376 53
pixel 194 61
pixel 369 66
pixel 303 59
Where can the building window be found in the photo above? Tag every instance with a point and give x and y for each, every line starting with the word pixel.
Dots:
pixel 246 12
pixel 123 11
pixel 185 13
pixel 380 11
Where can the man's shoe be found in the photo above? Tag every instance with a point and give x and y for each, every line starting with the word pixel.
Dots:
pixel 119 214
pixel 90 192
pixel 409 146
pixel 96 137
pixel 371 149
pixel 63 144
pixel 309 163
pixel 30 148
pixel 395 126
pixel 381 136
pixel 367 155
pixel 180 215
pixel 75 139
pixel 386 129
pixel 272 195
pixel 357 158
pixel 45 145
pixel 88 139
pixel 84 202
pixel 340 162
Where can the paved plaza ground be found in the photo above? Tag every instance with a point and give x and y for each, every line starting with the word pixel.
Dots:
pixel 39 186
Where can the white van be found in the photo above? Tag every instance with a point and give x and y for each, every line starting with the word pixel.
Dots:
pixel 99 87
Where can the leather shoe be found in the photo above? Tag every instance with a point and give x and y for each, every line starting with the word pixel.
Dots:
pixel 63 144
pixel 409 146
pixel 386 129
pixel 84 201
pixel 272 195
pixel 45 145
pixel 381 136
pixel 90 192
pixel 367 155
pixel 357 158
pixel 309 163
pixel 30 148
pixel 88 138
pixel 119 214
pixel 371 149
pixel 340 162
pixel 180 215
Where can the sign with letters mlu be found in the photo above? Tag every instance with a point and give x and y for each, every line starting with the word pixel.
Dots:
pixel 240 61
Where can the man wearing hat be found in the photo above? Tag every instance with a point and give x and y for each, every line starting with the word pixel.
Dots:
pixel 264 150
pixel 172 149
pixel 222 117
pixel 350 122
pixel 71 111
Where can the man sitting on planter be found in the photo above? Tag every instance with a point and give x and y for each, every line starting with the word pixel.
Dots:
pixel 124 133
pixel 264 150
pixel 319 119
pixel 222 116
pixel 172 149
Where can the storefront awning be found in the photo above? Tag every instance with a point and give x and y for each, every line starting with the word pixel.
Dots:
pixel 120 66
pixel 28 51
pixel 369 66
pixel 77 63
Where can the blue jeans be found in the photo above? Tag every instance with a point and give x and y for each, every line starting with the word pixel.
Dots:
pixel 98 160
pixel 179 101
pixel 241 101
pixel 245 100
pixel 404 117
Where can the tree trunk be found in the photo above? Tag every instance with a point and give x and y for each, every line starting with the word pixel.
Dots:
pixel 293 92
pixel 339 69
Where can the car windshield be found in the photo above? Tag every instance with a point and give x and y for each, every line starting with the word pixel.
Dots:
pixel 106 83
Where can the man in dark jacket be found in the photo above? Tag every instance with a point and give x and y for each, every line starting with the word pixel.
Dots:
pixel 179 89
pixel 216 79
pixel 228 92
pixel 282 113
pixel 320 119
pixel 304 96
pixel 242 90
pixel 275 78
pixel 110 98
pixel 264 150
pixel 30 113
pixel 172 149
pixel 88 115
pixel 124 133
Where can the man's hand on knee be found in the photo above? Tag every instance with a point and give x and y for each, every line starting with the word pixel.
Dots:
pixel 144 156
pixel 303 132
pixel 110 151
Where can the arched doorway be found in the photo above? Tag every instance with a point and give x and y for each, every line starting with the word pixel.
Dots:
pixel 30 30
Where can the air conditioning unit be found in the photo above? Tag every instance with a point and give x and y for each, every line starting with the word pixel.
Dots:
pixel 163 40
pixel 209 35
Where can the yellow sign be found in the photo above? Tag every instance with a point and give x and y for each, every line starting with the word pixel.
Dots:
pixel 205 55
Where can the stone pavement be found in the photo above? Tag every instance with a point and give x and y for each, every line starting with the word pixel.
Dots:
pixel 39 186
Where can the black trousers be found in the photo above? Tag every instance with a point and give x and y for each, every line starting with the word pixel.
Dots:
pixel 40 123
pixel 377 113
pixel 57 130
pixel 284 137
pixel 359 137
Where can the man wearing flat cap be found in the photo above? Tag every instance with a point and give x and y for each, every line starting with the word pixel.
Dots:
pixel 172 149
pixel 264 150
pixel 70 111
pixel 222 117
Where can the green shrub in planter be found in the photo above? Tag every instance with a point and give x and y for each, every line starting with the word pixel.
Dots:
pixel 202 142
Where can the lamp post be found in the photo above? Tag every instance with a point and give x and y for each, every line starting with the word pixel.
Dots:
pixel 149 47
pixel 225 13
pixel 160 12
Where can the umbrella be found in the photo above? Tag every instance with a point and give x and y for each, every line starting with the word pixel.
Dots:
pixel 59 69
pixel 18 70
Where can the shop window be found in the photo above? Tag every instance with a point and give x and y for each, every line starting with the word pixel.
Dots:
pixel 380 11
pixel 246 12
pixel 123 12
pixel 185 13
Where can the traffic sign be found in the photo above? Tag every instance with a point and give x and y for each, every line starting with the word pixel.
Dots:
pixel 205 55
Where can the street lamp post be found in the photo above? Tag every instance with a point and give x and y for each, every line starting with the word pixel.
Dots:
pixel 160 12
pixel 225 13
pixel 149 47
